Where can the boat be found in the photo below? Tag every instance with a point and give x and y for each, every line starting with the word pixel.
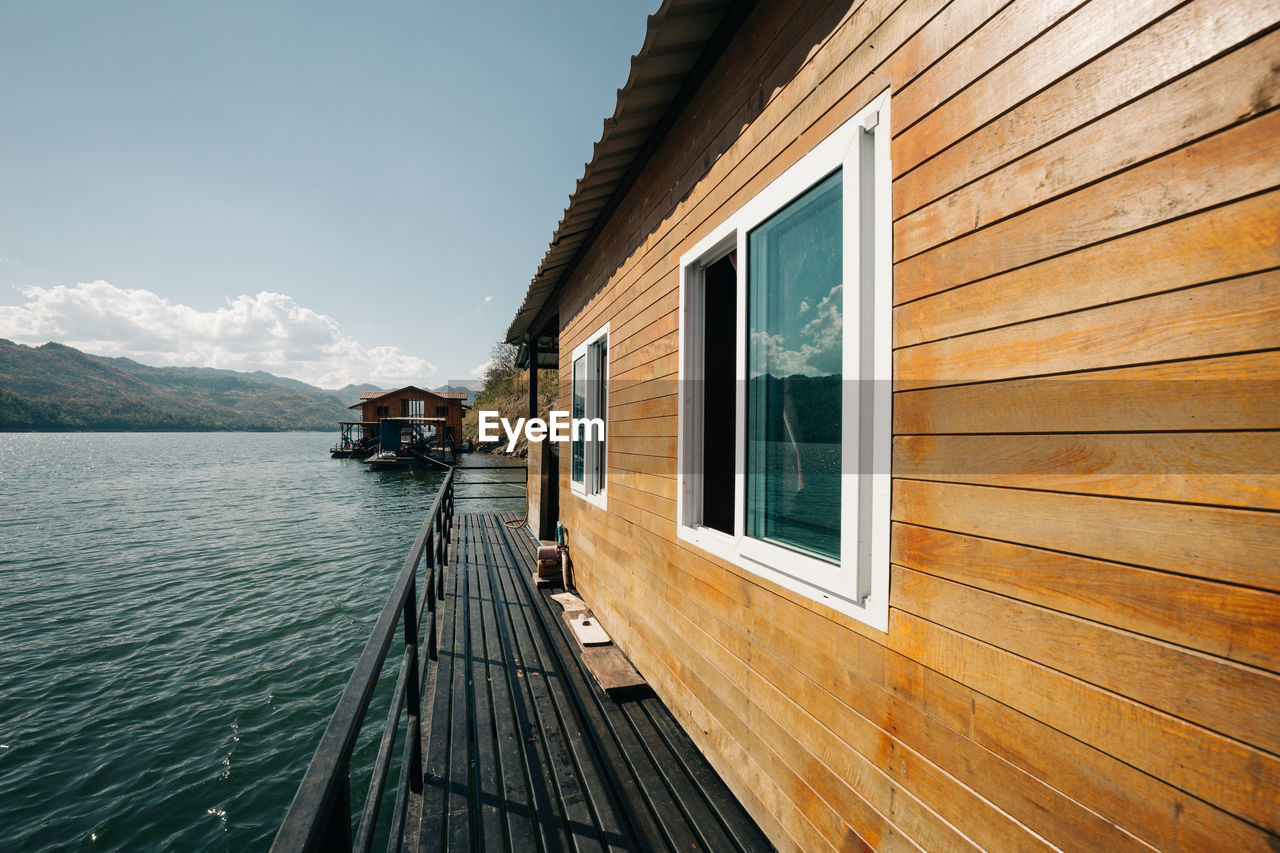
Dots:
pixel 388 460
pixel 358 450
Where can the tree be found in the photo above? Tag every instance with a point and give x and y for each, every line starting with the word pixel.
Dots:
pixel 502 366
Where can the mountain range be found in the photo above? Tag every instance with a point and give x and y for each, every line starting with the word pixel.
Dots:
pixel 57 387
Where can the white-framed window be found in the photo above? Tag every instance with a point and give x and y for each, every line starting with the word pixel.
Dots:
pixel 590 403
pixel 786 368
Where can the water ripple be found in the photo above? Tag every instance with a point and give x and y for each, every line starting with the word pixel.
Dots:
pixel 181 614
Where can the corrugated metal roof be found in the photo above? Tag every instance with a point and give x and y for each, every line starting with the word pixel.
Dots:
pixel 677 36
pixel 448 395
pixel 365 396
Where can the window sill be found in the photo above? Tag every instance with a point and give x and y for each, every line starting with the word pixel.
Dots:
pixel 599 499
pixel 872 612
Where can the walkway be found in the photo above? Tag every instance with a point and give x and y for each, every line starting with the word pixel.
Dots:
pixel 525 751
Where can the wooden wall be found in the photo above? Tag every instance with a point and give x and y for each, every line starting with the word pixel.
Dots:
pixel 393 401
pixel 1084 638
pixel 453 420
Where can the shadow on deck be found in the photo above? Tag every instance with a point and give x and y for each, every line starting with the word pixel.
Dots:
pixel 524 751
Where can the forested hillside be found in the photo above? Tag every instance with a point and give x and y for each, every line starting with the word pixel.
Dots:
pixel 56 387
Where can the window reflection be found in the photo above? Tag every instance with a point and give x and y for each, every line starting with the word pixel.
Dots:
pixel 794 366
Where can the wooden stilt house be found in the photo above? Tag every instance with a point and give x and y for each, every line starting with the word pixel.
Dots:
pixel 938 343
pixel 413 402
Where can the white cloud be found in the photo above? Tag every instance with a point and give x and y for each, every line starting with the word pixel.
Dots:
pixel 269 331
pixel 814 351
pixel 488 299
pixel 480 369
pixel 826 329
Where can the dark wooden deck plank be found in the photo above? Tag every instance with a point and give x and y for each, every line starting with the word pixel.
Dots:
pixel 559 798
pixel 542 745
pixel 437 755
pixel 487 792
pixel 516 810
pixel 709 808
pixel 687 818
pixel 592 819
pixel 526 752
pixel 527 795
pixel 702 794
pixel 459 815
pixel 688 810
pixel 636 785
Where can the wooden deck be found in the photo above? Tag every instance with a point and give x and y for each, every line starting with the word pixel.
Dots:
pixel 525 752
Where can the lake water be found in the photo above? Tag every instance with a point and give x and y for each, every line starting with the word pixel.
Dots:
pixel 178 616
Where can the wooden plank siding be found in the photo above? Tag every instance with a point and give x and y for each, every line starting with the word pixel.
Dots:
pixel 1085 586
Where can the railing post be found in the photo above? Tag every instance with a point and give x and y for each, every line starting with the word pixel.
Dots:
pixel 448 516
pixel 413 692
pixel 337 827
pixel 432 618
pixel 440 553
pixel 429 552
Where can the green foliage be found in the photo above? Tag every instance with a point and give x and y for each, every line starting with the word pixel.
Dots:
pixel 506 391
pixel 502 375
pixel 56 387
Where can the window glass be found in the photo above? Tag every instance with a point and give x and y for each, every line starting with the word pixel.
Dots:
pixel 794 365
pixel 579 411
pixel 599 409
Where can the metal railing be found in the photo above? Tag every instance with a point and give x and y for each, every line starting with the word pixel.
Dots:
pixel 319 818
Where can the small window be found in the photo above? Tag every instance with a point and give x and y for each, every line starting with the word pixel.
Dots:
pixel 590 417
pixel 442 411
pixel 785 359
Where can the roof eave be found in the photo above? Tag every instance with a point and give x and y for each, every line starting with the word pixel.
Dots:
pixel 683 40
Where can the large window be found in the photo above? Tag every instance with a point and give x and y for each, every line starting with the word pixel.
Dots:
pixel 590 417
pixel 785 361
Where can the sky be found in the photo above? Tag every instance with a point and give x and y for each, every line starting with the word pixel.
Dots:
pixel 335 192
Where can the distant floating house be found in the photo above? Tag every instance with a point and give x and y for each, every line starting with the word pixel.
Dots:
pixel 413 402
pixel 937 344
pixel 388 416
